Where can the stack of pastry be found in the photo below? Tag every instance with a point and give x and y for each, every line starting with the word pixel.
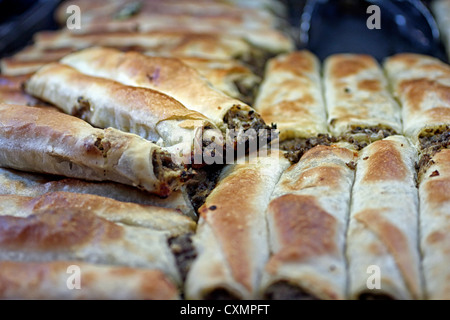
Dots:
pixel 345 197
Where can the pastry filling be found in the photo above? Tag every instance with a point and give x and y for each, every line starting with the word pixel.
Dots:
pixel 167 171
pixel 435 139
pixel 184 252
pixel 200 186
pixel 298 146
pixel 247 125
pixel 360 137
pixel 283 290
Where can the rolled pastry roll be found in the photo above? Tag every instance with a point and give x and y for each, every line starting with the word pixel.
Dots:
pixel 106 103
pixel 422 85
pixel 202 45
pixel 231 238
pixel 38 140
pixel 74 233
pixel 307 218
pixel 170 76
pixel 176 229
pixel 173 222
pixel 441 11
pixel 13 96
pixel 360 106
pixel 383 233
pixel 32 185
pixel 229 76
pixel 291 97
pixel 15 67
pixel 49 280
pixel 434 194
pixel 12 82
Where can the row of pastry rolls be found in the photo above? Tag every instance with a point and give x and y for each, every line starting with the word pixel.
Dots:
pixel 345 98
pixel 317 229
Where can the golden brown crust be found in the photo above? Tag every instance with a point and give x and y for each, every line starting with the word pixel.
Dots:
pixel 127 213
pixel 385 163
pixel 416 90
pixel 306 229
pixel 33 185
pixel 56 230
pixel 327 176
pixel 345 65
pixel 396 242
pixel 167 75
pixel 229 224
pixel 158 42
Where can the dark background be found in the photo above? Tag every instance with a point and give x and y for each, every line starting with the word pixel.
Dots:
pixel 322 26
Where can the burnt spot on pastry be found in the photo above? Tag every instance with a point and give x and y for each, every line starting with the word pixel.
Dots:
pixel 283 290
pixel 435 173
pixel 184 251
pixel 351 165
pixel 298 146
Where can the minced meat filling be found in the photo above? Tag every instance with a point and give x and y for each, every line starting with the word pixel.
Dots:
pixel 360 137
pixel 283 290
pixel 201 185
pixel 166 170
pixel 184 252
pixel 433 140
pixel 240 119
pixel 297 147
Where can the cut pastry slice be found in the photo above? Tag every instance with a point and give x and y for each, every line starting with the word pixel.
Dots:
pixel 291 96
pixel 74 233
pixel 422 85
pixel 32 185
pixel 190 44
pixel 231 238
pixel 434 194
pixel 49 281
pixel 307 219
pixel 38 140
pixel 359 104
pixel 104 103
pixel 171 221
pixel 383 233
